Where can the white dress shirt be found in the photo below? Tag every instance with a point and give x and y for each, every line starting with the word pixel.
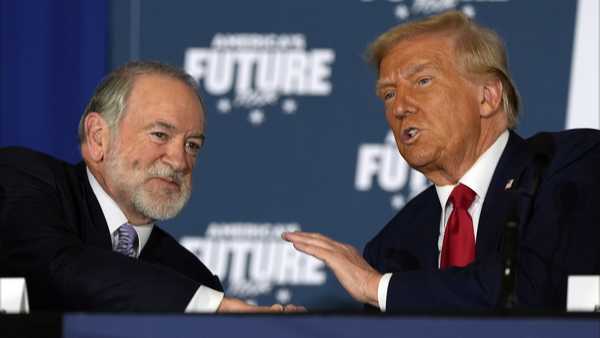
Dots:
pixel 478 178
pixel 204 300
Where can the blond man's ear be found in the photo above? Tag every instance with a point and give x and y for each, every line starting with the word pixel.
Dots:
pixel 490 97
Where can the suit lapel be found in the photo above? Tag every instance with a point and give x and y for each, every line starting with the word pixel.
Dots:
pixel 152 249
pixel 402 247
pixel 429 225
pixel 96 232
pixel 498 201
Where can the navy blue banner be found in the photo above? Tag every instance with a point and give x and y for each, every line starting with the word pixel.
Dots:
pixel 112 326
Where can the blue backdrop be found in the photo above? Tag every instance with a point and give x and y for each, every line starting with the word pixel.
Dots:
pixel 52 55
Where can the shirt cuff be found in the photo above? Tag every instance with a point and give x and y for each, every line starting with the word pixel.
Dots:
pixel 205 300
pixel 384 282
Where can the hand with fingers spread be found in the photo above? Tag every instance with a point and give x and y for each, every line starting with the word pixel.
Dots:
pixel 349 267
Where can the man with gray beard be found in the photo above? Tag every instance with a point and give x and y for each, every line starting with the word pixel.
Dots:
pixel 85 236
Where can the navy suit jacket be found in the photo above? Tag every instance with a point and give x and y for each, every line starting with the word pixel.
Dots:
pixel 558 234
pixel 53 232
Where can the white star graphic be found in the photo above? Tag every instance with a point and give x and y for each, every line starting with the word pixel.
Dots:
pixel 283 296
pixel 469 11
pixel 289 106
pixel 401 12
pixel 256 117
pixel 224 105
pixel 397 201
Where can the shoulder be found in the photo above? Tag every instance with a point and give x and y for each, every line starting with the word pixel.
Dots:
pixel 18 162
pixel 566 148
pixel 566 141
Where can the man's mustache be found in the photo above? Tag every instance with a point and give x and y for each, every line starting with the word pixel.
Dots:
pixel 165 171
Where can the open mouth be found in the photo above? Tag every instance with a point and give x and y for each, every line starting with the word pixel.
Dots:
pixel 409 135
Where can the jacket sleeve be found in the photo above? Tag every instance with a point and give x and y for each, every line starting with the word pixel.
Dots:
pixel 62 273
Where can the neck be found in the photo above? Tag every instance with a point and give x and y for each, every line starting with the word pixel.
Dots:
pixel 452 171
pixel 133 217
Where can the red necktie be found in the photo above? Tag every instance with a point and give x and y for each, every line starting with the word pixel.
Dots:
pixel 458 248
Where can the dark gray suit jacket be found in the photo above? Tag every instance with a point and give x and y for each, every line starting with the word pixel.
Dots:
pixel 558 235
pixel 53 232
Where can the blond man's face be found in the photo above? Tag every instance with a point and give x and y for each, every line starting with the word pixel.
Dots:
pixel 431 107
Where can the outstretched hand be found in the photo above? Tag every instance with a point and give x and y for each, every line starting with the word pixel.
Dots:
pixel 349 267
pixel 234 305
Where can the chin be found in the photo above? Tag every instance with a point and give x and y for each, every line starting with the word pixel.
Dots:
pixel 159 210
pixel 418 161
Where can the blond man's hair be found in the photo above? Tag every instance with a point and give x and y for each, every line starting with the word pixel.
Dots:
pixel 479 51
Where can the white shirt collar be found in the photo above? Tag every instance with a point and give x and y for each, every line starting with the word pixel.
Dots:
pixel 113 214
pixel 479 176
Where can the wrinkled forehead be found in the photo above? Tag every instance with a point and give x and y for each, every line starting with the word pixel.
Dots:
pixel 156 96
pixel 415 55
pixel 445 39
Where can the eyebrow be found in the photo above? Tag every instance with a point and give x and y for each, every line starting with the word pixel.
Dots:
pixel 168 126
pixel 200 137
pixel 161 124
pixel 414 69
pixel 408 72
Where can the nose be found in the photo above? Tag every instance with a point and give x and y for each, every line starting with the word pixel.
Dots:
pixel 176 156
pixel 403 105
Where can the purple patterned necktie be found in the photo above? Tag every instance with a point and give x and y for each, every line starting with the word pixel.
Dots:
pixel 127 240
